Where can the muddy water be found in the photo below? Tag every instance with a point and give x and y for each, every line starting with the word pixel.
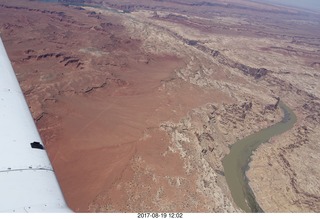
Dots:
pixel 236 162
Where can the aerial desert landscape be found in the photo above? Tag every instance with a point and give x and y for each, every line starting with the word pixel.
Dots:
pixel 140 102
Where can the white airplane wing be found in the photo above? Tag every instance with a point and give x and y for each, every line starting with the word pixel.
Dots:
pixel 27 179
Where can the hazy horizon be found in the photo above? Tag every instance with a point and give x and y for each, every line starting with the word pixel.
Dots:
pixel 305 4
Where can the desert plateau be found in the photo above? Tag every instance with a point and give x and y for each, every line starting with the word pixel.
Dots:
pixel 139 103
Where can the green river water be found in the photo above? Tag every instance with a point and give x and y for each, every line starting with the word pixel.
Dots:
pixel 236 162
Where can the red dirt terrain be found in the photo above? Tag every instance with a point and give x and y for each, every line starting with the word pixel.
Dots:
pixel 137 101
pixel 95 96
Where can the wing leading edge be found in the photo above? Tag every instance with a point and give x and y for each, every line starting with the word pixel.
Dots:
pixel 27 179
